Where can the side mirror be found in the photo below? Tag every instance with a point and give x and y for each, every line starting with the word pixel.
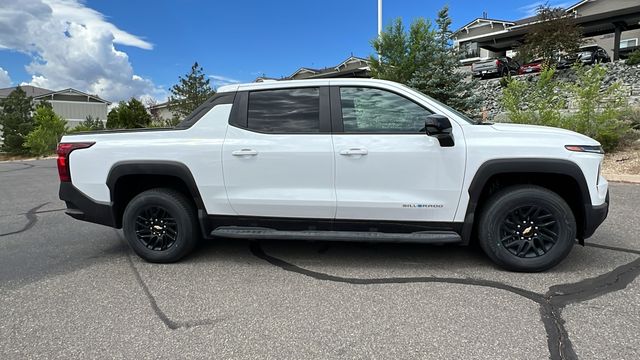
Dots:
pixel 439 126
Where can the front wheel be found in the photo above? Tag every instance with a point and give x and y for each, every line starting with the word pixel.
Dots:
pixel 160 225
pixel 527 228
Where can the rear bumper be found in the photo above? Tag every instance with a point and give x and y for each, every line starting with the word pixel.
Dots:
pixel 81 207
pixel 478 73
pixel 594 216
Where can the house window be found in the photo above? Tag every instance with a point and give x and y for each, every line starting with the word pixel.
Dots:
pixel 628 43
pixel 471 50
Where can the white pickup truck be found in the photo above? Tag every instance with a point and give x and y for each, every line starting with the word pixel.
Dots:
pixel 341 160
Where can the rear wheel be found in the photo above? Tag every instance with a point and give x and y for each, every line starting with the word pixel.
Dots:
pixel 527 228
pixel 160 225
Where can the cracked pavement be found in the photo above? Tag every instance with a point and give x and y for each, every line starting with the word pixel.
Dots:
pixel 70 289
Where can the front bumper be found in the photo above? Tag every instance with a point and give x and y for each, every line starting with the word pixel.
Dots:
pixel 594 216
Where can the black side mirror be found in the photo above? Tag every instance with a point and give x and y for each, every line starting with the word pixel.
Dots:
pixel 439 126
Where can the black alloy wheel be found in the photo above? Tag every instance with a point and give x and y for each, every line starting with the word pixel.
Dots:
pixel 161 225
pixel 156 228
pixel 529 231
pixel 526 228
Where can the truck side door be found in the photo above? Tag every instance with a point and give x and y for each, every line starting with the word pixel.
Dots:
pixel 278 154
pixel 387 167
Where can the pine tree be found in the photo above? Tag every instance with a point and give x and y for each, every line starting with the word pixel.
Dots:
pixel 191 91
pixel 398 51
pixel 426 60
pixel 438 74
pixel 16 120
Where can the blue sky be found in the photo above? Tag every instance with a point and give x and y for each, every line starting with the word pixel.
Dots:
pixel 120 48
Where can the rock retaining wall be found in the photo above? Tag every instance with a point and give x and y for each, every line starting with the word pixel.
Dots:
pixel 628 76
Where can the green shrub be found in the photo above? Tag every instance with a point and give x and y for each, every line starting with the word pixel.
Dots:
pixel 634 58
pixel 600 109
pixel 47 133
pixel 166 123
pixel 89 124
pixel 632 117
pixel 534 102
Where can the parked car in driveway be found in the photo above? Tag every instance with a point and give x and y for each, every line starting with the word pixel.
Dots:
pixel 342 160
pixel 501 66
pixel 531 67
pixel 587 55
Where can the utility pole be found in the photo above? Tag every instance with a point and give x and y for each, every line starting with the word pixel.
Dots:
pixel 379 23
pixel 379 17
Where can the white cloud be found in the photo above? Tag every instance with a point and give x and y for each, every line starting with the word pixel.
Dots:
pixel 532 9
pixel 5 80
pixel 72 45
pixel 219 80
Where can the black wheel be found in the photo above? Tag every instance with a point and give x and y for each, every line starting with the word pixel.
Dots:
pixel 504 72
pixel 527 228
pixel 160 225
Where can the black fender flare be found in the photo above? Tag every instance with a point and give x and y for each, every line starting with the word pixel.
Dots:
pixel 522 166
pixel 155 167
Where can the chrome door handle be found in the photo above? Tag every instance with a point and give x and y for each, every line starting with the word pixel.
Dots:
pixel 244 152
pixel 354 151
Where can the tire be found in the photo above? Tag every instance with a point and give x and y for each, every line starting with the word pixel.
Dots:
pixel 504 72
pixel 161 225
pixel 543 214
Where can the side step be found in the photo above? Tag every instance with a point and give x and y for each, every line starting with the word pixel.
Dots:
pixel 424 237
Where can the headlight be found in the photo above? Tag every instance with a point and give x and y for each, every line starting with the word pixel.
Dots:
pixel 585 148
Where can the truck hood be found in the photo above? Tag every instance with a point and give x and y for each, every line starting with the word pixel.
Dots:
pixel 571 137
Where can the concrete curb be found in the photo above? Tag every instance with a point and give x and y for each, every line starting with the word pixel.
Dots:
pixel 29 159
pixel 624 178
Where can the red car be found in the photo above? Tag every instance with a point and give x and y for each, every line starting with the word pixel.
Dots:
pixel 532 67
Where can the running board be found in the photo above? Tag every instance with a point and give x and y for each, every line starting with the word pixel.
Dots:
pixel 423 237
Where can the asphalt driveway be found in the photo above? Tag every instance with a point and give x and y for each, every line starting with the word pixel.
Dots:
pixel 70 289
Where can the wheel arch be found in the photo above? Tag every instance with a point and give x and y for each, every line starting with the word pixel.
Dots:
pixel 561 176
pixel 126 179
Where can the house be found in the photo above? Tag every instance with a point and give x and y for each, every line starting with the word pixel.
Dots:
pixel 352 67
pixel 161 111
pixel 70 104
pixel 611 24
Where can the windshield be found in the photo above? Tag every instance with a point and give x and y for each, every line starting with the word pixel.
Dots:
pixel 458 113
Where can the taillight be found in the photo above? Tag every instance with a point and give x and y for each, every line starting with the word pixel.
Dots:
pixel 497 62
pixel 63 151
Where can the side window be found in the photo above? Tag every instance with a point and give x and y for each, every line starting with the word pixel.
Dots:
pixel 284 111
pixel 367 110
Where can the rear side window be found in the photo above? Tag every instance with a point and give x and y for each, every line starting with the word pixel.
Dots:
pixel 369 110
pixel 284 111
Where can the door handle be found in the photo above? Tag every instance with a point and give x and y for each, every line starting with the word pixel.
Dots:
pixel 244 152
pixel 354 151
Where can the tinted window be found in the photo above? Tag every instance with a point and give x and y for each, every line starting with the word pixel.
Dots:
pixel 367 110
pixel 285 111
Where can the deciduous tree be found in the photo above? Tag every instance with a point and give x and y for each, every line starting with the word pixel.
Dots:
pixel 128 115
pixel 554 33
pixel 49 128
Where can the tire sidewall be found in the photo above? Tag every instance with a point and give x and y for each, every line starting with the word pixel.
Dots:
pixel 506 201
pixel 184 224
